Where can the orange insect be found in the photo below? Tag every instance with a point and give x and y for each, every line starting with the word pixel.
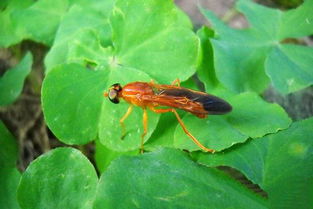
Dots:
pixel 151 95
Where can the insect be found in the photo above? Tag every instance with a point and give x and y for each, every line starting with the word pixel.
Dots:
pixel 149 95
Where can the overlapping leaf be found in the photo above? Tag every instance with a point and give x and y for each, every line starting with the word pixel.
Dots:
pixel 164 41
pixel 37 20
pixel 167 178
pixel 12 82
pixel 280 163
pixel 9 32
pixel 250 117
pixel 62 178
pixel 80 38
pixel 240 56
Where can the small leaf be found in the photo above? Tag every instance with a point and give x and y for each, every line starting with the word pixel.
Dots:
pixel 240 56
pixel 11 83
pixel 8 148
pixel 167 178
pixel 61 178
pixel 280 163
pixel 250 117
pixel 206 70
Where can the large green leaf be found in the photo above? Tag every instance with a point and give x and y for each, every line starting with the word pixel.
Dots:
pixel 12 82
pixel 280 163
pixel 167 178
pixel 137 55
pixel 251 117
pixel 61 178
pixel 240 56
pixel 71 99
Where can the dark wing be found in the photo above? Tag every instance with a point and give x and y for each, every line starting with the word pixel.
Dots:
pixel 208 103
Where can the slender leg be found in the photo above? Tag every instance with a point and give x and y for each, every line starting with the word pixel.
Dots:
pixel 176 81
pixel 184 127
pixel 129 110
pixel 145 128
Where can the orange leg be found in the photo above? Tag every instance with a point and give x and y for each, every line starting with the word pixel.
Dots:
pixel 129 110
pixel 184 127
pixel 176 81
pixel 145 128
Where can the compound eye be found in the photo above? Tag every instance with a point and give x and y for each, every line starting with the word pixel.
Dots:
pixel 113 96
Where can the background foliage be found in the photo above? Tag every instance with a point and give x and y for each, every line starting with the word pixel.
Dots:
pixel 94 44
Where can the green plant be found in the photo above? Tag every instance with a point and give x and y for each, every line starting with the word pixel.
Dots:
pixel 95 44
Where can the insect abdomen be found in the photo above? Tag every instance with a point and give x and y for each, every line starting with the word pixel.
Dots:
pixel 210 103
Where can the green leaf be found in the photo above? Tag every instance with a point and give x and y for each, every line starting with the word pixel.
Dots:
pixel 297 64
pixel 81 37
pixel 206 70
pixel 167 178
pixel 61 178
pixel 31 19
pixel 9 33
pixel 250 117
pixel 11 83
pixel 8 148
pixel 240 56
pixel 154 42
pixel 280 163
pixel 71 99
pixel 10 178
pixel 9 175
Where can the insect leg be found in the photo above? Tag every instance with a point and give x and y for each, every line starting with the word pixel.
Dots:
pixel 176 81
pixel 184 127
pixel 145 128
pixel 129 110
